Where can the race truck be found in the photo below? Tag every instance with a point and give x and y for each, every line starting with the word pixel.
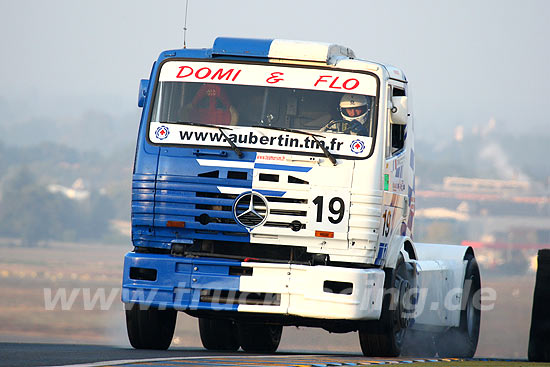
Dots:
pixel 273 185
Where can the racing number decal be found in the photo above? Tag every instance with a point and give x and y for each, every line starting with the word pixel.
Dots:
pixel 328 210
pixel 336 206
pixel 386 223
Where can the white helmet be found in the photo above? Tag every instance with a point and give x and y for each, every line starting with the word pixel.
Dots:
pixel 354 107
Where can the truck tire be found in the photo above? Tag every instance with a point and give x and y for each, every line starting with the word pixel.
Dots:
pixel 461 341
pixel 260 338
pixel 539 338
pixel 217 334
pixel 150 328
pixel 419 343
pixel 384 337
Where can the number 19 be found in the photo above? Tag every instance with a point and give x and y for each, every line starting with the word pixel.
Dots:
pixel 336 209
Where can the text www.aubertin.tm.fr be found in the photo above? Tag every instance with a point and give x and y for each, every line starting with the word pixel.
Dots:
pixel 283 140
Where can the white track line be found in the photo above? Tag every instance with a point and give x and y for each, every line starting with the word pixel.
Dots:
pixel 126 361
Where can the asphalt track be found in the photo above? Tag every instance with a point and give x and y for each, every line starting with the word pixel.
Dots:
pixel 34 355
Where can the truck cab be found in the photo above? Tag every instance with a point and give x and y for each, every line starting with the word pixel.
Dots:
pixel 273 185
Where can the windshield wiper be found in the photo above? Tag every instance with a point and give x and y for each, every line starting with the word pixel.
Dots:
pixel 221 129
pixel 314 136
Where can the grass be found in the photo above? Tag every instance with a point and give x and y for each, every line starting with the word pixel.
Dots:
pixel 484 364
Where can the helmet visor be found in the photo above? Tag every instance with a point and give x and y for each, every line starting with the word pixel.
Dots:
pixel 354 111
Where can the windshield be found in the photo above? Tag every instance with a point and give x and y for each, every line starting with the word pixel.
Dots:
pixel 190 92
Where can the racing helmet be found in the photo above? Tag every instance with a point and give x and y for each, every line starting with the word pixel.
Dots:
pixel 354 107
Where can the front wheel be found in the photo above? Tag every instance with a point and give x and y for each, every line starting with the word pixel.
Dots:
pixel 217 334
pixel 384 337
pixel 150 328
pixel 461 341
pixel 259 337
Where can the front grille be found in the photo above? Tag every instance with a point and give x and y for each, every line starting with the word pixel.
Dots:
pixel 287 212
pixel 197 201
pixel 205 213
pixel 283 212
pixel 250 219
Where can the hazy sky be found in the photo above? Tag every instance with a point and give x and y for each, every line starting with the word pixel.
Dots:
pixel 467 61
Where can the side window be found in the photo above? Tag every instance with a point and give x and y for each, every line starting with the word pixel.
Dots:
pixel 397 133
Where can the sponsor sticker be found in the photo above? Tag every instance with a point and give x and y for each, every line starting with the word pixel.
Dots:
pixel 270 157
pixel 246 137
pixel 271 76
pixel 162 132
pixel 357 146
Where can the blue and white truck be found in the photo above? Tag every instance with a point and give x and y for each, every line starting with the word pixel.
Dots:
pixel 273 185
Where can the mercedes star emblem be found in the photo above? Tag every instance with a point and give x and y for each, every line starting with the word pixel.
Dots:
pixel 250 209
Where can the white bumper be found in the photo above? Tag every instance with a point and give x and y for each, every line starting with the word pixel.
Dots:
pixel 322 292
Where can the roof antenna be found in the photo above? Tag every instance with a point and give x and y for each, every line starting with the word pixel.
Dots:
pixel 185 25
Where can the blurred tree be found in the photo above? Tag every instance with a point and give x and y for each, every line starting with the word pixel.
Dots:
pixel 30 212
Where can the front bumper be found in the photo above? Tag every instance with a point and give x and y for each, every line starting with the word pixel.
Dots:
pixel 321 292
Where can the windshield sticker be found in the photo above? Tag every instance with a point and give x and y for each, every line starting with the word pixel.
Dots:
pixel 270 157
pixel 162 132
pixel 268 76
pixel 357 146
pixel 247 137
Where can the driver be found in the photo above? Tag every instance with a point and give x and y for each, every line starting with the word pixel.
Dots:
pixel 211 105
pixel 354 109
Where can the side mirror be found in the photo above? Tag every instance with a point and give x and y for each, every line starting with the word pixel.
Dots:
pixel 142 94
pixel 399 110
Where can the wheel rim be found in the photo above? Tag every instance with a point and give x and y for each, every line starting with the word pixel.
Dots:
pixel 403 285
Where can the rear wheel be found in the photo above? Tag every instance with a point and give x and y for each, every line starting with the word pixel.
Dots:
pixel 260 337
pixel 462 341
pixel 384 337
pixel 150 328
pixel 419 344
pixel 217 334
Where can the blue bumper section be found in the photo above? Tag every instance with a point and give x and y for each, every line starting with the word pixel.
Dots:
pixel 177 282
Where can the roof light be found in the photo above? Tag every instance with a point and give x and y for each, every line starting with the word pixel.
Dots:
pixel 280 49
pixel 307 51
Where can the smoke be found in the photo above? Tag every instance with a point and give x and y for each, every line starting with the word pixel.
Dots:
pixel 498 158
